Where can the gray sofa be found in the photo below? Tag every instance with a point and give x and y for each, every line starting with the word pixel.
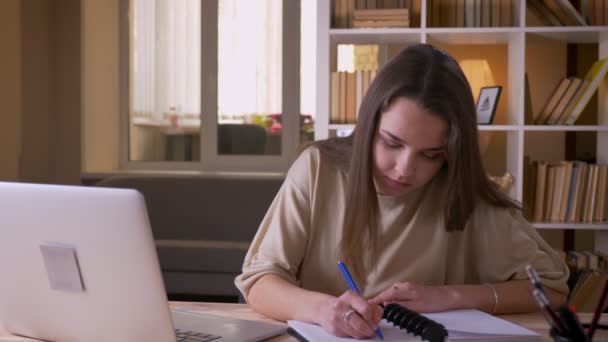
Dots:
pixel 203 226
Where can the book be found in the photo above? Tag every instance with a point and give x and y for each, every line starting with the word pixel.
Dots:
pixel 581 191
pixel 570 107
pixel 558 11
pixel 566 189
pixel 351 97
pixel 571 12
pixel 469 13
pixel 380 23
pixel 388 12
pixel 550 192
pixel 334 116
pixel 578 170
pixel 486 13
pixel 559 109
pixel 461 325
pixel 342 104
pixel 583 8
pixel 543 13
pixel 595 75
pixel 541 185
pixel 460 20
pixel 495 15
pixel 601 206
pixel 588 290
pixel 506 15
pixel 552 101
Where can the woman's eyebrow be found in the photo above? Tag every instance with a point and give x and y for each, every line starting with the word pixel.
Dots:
pixel 394 137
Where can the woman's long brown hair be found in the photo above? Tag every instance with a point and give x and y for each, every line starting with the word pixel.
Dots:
pixel 433 80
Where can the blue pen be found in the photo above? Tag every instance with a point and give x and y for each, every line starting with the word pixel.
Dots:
pixel 353 286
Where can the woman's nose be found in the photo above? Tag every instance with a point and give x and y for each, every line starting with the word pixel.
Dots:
pixel 405 164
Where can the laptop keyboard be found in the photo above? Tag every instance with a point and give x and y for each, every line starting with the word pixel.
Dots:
pixel 194 336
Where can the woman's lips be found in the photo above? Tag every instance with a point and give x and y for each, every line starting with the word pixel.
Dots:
pixel 396 184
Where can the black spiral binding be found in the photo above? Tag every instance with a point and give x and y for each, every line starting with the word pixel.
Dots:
pixel 414 323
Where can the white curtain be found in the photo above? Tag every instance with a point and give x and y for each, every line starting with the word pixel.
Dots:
pixel 167 57
pixel 250 57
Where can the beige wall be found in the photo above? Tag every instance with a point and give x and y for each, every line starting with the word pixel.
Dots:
pixel 65 147
pixel 100 85
pixel 40 131
pixel 37 79
pixel 10 89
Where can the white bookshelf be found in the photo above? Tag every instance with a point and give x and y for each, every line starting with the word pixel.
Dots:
pixel 526 49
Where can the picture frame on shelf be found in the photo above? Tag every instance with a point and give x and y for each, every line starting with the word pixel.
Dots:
pixel 487 103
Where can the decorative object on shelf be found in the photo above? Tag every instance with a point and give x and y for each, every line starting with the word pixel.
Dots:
pixel 504 182
pixel 487 103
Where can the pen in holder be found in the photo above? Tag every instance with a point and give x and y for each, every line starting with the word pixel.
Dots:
pixel 574 331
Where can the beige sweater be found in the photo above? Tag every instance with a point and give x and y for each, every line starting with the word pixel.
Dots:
pixel 299 235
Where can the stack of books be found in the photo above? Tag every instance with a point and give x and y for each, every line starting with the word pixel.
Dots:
pixel 571 95
pixel 588 274
pixel 385 17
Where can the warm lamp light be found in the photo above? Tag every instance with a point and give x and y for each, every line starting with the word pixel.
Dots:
pixel 478 74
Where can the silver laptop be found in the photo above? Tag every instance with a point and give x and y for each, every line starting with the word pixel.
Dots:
pixel 79 264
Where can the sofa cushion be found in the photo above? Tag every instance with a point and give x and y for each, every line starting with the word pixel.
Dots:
pixel 202 225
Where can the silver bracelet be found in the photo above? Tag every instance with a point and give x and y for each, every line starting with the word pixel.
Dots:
pixel 495 297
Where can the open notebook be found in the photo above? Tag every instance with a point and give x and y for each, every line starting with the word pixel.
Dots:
pixel 462 325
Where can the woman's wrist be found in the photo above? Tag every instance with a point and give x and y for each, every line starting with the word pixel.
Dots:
pixel 317 303
pixel 453 297
pixel 480 297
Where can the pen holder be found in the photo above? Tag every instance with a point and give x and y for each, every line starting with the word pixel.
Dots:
pixel 557 337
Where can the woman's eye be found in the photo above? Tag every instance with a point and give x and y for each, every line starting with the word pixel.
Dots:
pixel 388 143
pixel 432 155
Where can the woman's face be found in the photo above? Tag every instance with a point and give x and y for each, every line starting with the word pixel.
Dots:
pixel 408 147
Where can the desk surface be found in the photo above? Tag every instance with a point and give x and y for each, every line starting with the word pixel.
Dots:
pixel 533 322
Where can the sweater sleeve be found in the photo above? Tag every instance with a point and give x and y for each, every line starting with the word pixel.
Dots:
pixel 280 242
pixel 507 242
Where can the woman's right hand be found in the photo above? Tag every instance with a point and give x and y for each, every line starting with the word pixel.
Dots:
pixel 349 315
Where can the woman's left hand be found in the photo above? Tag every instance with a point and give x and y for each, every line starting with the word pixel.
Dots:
pixel 420 298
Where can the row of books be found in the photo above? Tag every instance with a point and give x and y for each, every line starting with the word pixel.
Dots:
pixel 347 90
pixel 567 191
pixel 471 13
pixel 584 260
pixel 588 274
pixel 578 261
pixel 563 12
pixel 375 13
pixel 392 17
pixel 571 95
pixel 477 13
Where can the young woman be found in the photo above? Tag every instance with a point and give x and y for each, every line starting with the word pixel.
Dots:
pixel 406 204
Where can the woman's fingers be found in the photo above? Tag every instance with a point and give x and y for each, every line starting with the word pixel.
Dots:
pixel 350 315
pixel 357 326
pixel 364 317
pixel 397 292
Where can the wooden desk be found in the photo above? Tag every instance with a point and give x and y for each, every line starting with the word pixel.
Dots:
pixel 533 322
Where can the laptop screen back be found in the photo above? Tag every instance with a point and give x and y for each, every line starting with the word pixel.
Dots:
pixel 77 263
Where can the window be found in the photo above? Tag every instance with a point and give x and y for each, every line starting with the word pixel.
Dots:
pixel 214 85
